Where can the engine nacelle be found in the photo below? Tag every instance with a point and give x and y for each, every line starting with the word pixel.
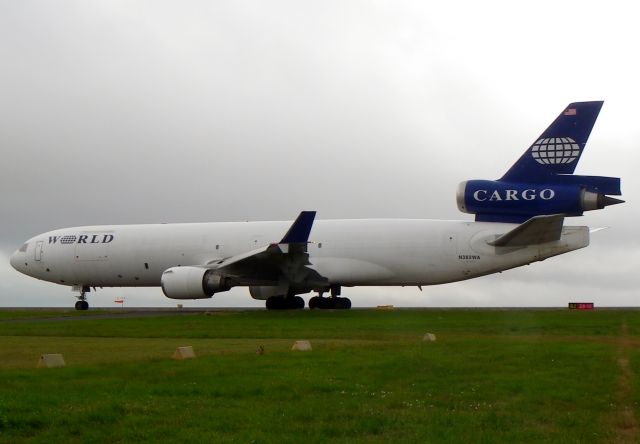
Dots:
pixel 492 200
pixel 192 283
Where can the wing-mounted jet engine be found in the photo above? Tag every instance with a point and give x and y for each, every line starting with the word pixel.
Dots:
pixel 275 272
pixel 541 182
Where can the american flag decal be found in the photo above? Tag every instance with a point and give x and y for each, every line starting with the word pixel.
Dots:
pixel 570 112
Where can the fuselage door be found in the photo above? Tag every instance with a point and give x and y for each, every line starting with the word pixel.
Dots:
pixel 38 250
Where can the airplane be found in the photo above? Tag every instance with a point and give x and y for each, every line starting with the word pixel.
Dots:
pixel 519 219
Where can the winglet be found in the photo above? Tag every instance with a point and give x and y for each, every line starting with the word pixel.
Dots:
pixel 300 229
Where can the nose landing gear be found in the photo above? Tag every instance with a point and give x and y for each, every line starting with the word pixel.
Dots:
pixel 82 303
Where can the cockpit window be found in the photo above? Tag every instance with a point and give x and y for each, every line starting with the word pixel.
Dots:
pixel 23 249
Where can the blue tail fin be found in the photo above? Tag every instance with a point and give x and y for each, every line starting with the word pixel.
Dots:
pixel 559 147
pixel 542 182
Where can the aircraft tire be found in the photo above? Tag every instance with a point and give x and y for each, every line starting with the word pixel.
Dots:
pixel 333 303
pixel 284 303
pixel 338 303
pixel 328 303
pixel 78 305
pixel 84 305
pixel 274 302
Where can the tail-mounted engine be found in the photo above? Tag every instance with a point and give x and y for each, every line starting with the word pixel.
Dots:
pixel 193 283
pixel 541 182
pixel 499 201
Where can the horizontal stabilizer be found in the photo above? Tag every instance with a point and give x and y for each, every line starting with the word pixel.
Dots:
pixel 537 230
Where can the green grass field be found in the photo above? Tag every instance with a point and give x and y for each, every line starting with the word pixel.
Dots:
pixel 519 376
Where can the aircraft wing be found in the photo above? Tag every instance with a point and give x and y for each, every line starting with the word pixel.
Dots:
pixel 286 259
pixel 537 230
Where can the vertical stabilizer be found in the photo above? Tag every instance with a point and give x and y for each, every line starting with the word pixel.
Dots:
pixel 559 147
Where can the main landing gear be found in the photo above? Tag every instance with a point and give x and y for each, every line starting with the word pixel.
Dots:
pixel 82 303
pixel 293 302
pixel 285 303
pixel 335 302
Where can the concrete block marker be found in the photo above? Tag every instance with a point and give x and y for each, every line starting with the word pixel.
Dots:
pixel 429 337
pixel 301 346
pixel 51 360
pixel 184 353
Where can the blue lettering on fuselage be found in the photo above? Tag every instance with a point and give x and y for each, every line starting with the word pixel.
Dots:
pixel 81 239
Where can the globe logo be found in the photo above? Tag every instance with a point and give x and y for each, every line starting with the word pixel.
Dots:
pixel 555 150
pixel 67 239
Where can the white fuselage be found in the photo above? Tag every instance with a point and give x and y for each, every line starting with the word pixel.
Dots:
pixel 345 252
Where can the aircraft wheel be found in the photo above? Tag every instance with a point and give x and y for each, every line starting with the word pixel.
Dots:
pixel 274 302
pixel 285 303
pixel 84 305
pixel 78 305
pixel 322 303
pixel 336 303
pixel 279 303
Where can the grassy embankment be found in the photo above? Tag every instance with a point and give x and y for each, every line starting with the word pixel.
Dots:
pixel 492 376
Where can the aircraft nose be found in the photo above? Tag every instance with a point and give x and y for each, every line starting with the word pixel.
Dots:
pixel 16 260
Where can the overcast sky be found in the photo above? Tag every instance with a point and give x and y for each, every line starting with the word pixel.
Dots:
pixel 189 111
